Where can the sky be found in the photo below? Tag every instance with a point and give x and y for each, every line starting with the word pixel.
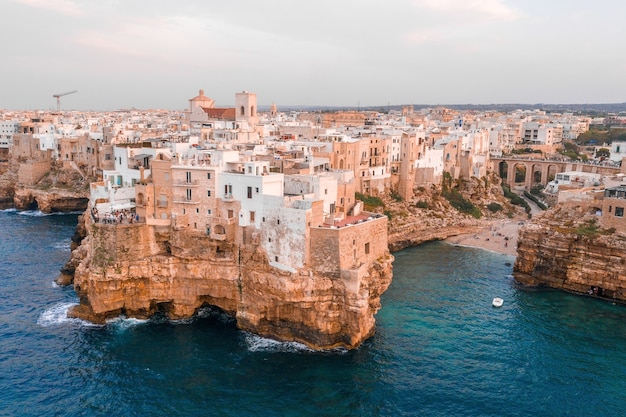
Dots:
pixel 159 53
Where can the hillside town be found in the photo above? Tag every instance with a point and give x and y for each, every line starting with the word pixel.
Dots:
pixel 216 170
pixel 274 217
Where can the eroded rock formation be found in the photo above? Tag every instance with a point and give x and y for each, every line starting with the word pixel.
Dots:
pixel 138 270
pixel 565 248
pixel 50 201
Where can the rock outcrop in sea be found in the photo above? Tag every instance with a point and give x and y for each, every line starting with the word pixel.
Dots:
pixel 138 270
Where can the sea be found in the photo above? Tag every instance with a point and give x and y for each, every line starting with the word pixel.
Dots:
pixel 440 349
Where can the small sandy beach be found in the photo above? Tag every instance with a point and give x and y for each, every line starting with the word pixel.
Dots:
pixel 500 237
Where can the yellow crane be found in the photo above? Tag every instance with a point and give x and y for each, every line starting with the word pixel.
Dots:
pixel 58 97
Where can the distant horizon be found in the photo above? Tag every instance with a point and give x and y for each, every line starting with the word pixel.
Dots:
pixel 265 107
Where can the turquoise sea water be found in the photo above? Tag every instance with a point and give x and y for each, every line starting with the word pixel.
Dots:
pixel 440 349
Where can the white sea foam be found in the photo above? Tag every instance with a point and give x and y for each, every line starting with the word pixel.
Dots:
pixel 57 315
pixel 63 244
pixel 9 210
pixel 32 213
pixel 123 323
pixel 39 213
pixel 257 343
pixel 216 313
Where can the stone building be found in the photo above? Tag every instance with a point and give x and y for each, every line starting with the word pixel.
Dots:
pixel 613 207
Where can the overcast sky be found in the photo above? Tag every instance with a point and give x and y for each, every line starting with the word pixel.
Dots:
pixel 159 53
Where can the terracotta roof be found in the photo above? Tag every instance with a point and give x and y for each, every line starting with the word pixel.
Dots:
pixel 222 114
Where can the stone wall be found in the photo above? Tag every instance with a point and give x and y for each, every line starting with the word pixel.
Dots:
pixel 347 247
pixel 32 172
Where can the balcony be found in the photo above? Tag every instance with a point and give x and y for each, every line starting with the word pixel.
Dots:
pixel 185 201
pixel 193 183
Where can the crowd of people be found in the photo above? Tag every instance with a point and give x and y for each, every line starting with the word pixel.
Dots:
pixel 115 217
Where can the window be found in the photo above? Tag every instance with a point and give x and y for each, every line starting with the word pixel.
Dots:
pixel 208 176
pixel 208 193
pixel 619 211
pixel 208 212
pixel 188 194
pixel 230 214
pixel 277 221
pixel 198 210
pixel 162 201
pixel 367 248
pixel 252 213
pixel 188 176
pixel 166 176
pixel 249 192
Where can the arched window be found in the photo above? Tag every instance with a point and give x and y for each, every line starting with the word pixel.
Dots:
pixel 243 111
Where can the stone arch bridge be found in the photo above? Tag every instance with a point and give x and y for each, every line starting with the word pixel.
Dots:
pixel 542 171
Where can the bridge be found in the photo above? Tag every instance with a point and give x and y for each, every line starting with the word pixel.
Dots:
pixel 542 171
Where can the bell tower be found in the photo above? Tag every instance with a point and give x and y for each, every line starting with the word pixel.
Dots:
pixel 246 108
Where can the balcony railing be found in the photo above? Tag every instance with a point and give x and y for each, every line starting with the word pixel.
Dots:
pixel 193 183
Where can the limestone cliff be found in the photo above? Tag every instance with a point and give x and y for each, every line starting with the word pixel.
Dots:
pixel 564 248
pixel 50 200
pixel 138 270
pixel 59 190
pixel 8 179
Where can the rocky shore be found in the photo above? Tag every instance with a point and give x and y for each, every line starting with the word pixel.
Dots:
pixel 564 248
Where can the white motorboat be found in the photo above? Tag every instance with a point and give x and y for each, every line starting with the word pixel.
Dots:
pixel 497 302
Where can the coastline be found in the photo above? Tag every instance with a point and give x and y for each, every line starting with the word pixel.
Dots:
pixel 499 236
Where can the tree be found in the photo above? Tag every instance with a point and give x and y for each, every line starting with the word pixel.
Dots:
pixel 603 152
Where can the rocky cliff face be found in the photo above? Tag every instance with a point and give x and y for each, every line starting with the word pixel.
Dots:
pixel 564 248
pixel 49 201
pixel 138 270
pixel 8 179
pixel 60 190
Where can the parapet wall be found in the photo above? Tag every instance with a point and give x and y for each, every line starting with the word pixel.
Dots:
pixel 342 248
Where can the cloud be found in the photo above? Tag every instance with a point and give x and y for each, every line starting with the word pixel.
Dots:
pixel 488 10
pixel 66 7
pixel 139 37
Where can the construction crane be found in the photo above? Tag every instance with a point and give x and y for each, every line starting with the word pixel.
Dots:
pixel 58 97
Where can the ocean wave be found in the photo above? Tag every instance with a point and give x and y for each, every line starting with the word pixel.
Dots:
pixel 63 244
pixel 39 213
pixel 9 210
pixel 256 343
pixel 123 323
pixel 57 315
